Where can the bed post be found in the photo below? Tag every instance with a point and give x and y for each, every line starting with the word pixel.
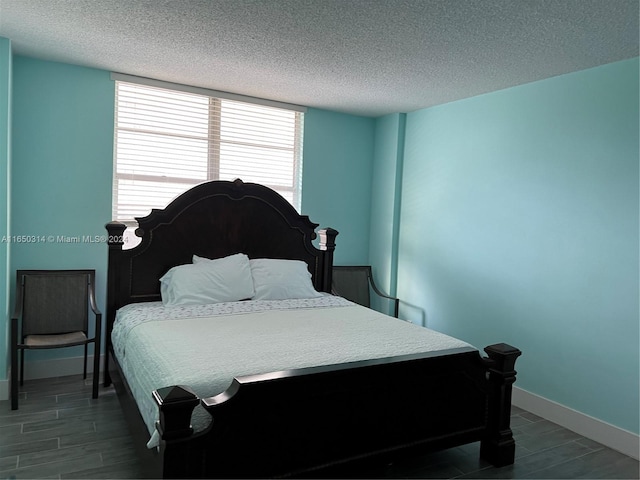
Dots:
pixel 115 240
pixel 498 446
pixel 327 245
pixel 176 405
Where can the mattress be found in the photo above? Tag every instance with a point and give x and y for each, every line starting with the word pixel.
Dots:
pixel 206 346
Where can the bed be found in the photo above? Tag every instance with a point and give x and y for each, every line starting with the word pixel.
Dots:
pixel 284 384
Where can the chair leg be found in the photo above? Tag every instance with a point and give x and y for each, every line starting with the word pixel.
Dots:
pixel 96 368
pixel 14 376
pixel 96 356
pixel 85 361
pixel 21 367
pixel 14 387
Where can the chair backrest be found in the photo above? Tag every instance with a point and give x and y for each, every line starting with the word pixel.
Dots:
pixel 54 301
pixel 352 283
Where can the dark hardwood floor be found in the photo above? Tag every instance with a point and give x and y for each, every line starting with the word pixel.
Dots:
pixel 61 432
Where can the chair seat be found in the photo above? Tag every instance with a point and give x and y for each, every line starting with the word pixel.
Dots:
pixel 58 339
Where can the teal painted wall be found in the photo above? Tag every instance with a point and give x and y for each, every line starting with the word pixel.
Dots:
pixel 336 179
pixel 385 205
pixel 5 172
pixel 62 169
pixel 519 224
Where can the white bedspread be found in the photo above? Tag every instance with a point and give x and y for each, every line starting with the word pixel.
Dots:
pixel 206 346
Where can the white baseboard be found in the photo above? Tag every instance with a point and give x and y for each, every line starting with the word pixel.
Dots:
pixel 609 435
pixel 4 389
pixel 58 367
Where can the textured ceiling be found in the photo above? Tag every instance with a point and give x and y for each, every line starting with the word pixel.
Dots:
pixel 366 57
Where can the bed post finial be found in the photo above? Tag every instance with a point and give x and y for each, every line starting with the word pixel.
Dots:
pixel 498 447
pixel 327 245
pixel 115 232
pixel 176 404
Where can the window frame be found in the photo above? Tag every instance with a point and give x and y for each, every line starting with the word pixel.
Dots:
pixel 214 139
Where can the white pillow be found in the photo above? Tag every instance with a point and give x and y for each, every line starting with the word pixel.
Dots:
pixel 225 279
pixel 281 279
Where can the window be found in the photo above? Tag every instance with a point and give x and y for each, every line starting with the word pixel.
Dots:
pixel 167 141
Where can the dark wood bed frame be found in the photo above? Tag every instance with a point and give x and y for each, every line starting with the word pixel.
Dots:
pixel 321 421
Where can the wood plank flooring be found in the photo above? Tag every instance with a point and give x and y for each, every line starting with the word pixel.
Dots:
pixel 60 432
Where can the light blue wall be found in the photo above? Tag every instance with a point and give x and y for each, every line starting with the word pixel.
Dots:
pixel 336 179
pixel 62 169
pixel 5 172
pixel 385 204
pixel 519 224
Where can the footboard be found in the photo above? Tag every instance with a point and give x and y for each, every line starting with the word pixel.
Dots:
pixel 295 422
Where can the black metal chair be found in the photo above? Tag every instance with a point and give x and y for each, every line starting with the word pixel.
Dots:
pixel 355 283
pixel 52 311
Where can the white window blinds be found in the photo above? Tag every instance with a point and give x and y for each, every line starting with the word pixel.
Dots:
pixel 167 141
